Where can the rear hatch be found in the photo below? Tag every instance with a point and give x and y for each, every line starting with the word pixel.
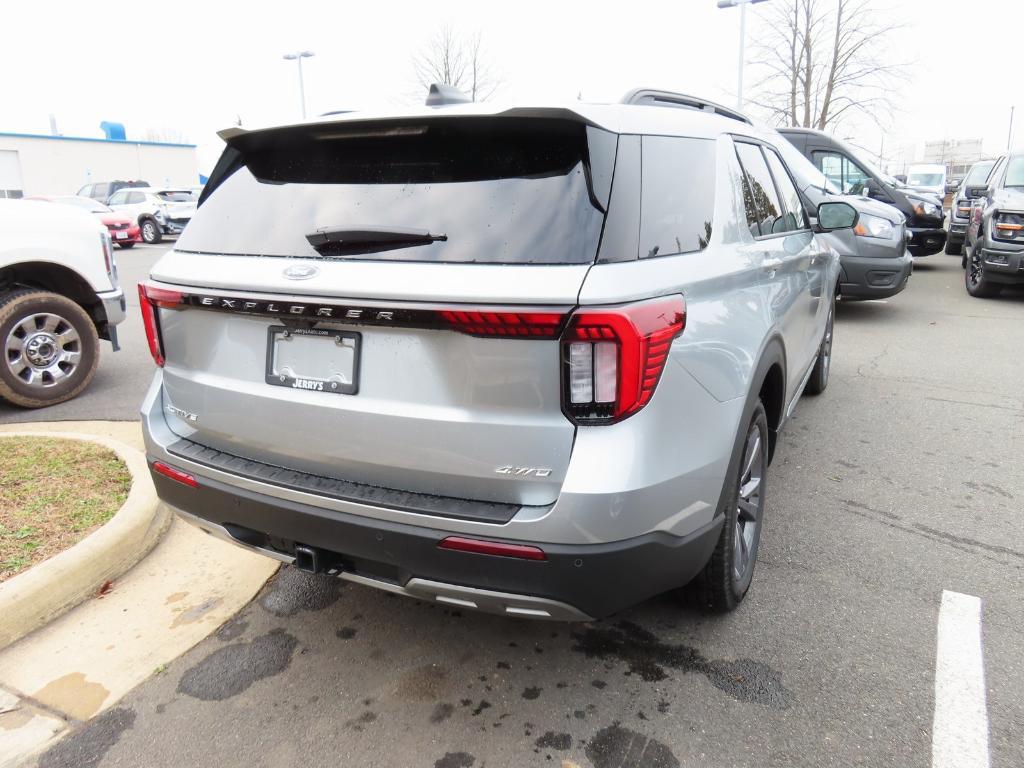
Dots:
pixel 379 303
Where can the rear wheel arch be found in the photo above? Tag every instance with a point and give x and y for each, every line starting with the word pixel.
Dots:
pixel 769 386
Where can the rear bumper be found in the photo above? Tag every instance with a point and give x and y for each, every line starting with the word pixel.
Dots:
pixel 574 583
pixel 874 277
pixel 113 306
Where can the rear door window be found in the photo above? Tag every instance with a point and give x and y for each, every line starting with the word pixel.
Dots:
pixel 485 190
pixel 764 209
pixel 678 195
pixel 795 218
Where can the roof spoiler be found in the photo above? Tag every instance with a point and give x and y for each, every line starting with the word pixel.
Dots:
pixel 654 98
pixel 440 94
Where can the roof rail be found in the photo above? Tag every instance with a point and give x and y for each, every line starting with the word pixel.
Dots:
pixel 655 98
pixel 441 94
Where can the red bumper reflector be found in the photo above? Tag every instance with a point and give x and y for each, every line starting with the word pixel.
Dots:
pixel 522 551
pixel 175 474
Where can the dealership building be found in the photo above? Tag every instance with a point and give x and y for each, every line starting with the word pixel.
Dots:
pixel 40 164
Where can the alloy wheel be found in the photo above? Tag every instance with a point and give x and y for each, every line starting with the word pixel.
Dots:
pixel 749 505
pixel 43 350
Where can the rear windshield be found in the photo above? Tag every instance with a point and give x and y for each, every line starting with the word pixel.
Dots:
pixel 176 197
pixel 925 179
pixel 490 190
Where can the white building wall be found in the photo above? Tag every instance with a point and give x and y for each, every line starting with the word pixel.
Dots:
pixel 60 165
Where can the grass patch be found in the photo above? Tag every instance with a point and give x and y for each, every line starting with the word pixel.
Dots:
pixel 53 493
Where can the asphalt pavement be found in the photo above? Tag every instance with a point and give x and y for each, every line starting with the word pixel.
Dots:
pixel 904 479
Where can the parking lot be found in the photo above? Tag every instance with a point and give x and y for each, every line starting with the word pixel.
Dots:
pixel 903 480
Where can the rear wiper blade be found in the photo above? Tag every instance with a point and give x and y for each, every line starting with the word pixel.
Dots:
pixel 335 241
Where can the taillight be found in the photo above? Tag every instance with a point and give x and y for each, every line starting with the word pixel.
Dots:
pixel 482 322
pixel 499 548
pixel 613 357
pixel 151 297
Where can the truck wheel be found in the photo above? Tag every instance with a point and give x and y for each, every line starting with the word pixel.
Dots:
pixel 953 247
pixel 50 348
pixel 974 277
pixel 823 363
pixel 724 582
pixel 151 233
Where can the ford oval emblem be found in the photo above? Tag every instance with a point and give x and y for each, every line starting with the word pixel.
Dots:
pixel 301 272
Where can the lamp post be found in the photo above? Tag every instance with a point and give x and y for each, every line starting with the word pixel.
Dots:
pixel 298 57
pixel 743 40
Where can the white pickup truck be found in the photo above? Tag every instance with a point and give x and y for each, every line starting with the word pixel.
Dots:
pixel 58 297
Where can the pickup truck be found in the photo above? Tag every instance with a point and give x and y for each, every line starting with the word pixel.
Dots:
pixel 59 296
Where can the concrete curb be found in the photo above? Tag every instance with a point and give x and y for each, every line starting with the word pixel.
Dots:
pixel 45 591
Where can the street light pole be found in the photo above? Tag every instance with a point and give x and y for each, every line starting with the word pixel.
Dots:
pixel 743 41
pixel 1009 137
pixel 298 57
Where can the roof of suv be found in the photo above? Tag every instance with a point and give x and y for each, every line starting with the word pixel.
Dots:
pixel 618 118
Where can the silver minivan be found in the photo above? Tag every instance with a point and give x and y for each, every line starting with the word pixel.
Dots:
pixel 527 360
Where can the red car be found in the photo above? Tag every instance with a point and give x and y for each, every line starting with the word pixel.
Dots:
pixel 124 230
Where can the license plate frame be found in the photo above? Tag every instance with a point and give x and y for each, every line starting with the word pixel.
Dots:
pixel 284 375
pixel 120 235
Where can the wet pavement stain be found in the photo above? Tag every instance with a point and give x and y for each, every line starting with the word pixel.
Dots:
pixel 427 683
pixel 232 669
pixel 647 656
pixel 85 748
pixel 456 760
pixel 619 747
pixel 359 723
pixel 481 707
pixel 73 695
pixel 232 630
pixel 346 633
pixel 532 693
pixel 293 591
pixel 441 712
pixel 195 612
pixel 552 740
pixel 175 597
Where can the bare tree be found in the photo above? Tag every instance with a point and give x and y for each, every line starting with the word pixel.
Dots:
pixel 460 63
pixel 822 60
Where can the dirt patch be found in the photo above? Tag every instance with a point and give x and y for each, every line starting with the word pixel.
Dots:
pixel 54 493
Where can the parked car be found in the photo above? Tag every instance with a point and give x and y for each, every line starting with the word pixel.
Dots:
pixel 104 189
pixel 59 295
pixel 854 175
pixel 124 232
pixel 524 370
pixel 928 177
pixel 995 236
pixel 960 209
pixel 875 262
pixel 158 211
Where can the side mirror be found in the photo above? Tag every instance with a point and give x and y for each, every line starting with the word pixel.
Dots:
pixel 836 215
pixel 973 193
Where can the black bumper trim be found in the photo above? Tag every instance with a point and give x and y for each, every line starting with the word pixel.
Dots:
pixel 596 579
pixel 344 490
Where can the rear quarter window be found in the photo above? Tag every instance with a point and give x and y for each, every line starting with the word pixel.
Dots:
pixel 678 195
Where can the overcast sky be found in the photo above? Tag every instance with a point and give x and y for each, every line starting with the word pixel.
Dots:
pixel 190 68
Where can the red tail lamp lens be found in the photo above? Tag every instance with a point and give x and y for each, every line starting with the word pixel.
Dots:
pixel 481 322
pixel 175 474
pixel 482 547
pixel 151 297
pixel 614 357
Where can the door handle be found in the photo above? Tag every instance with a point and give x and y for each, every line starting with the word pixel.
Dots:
pixel 771 265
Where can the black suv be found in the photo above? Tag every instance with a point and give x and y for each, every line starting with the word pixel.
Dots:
pixel 995 236
pixel 855 176
pixel 960 208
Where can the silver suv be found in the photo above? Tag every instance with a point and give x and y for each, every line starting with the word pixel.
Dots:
pixel 531 361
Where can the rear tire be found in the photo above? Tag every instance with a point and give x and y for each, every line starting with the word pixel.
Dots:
pixel 974 276
pixel 49 348
pixel 954 247
pixel 151 233
pixel 724 582
pixel 127 245
pixel 823 363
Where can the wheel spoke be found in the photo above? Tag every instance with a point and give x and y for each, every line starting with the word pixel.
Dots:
pixel 15 344
pixel 50 323
pixel 70 336
pixel 70 357
pixel 753 454
pixel 739 548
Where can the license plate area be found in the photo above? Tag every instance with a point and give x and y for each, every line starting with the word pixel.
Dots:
pixel 313 359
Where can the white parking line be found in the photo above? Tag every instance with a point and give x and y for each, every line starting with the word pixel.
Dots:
pixel 960 727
